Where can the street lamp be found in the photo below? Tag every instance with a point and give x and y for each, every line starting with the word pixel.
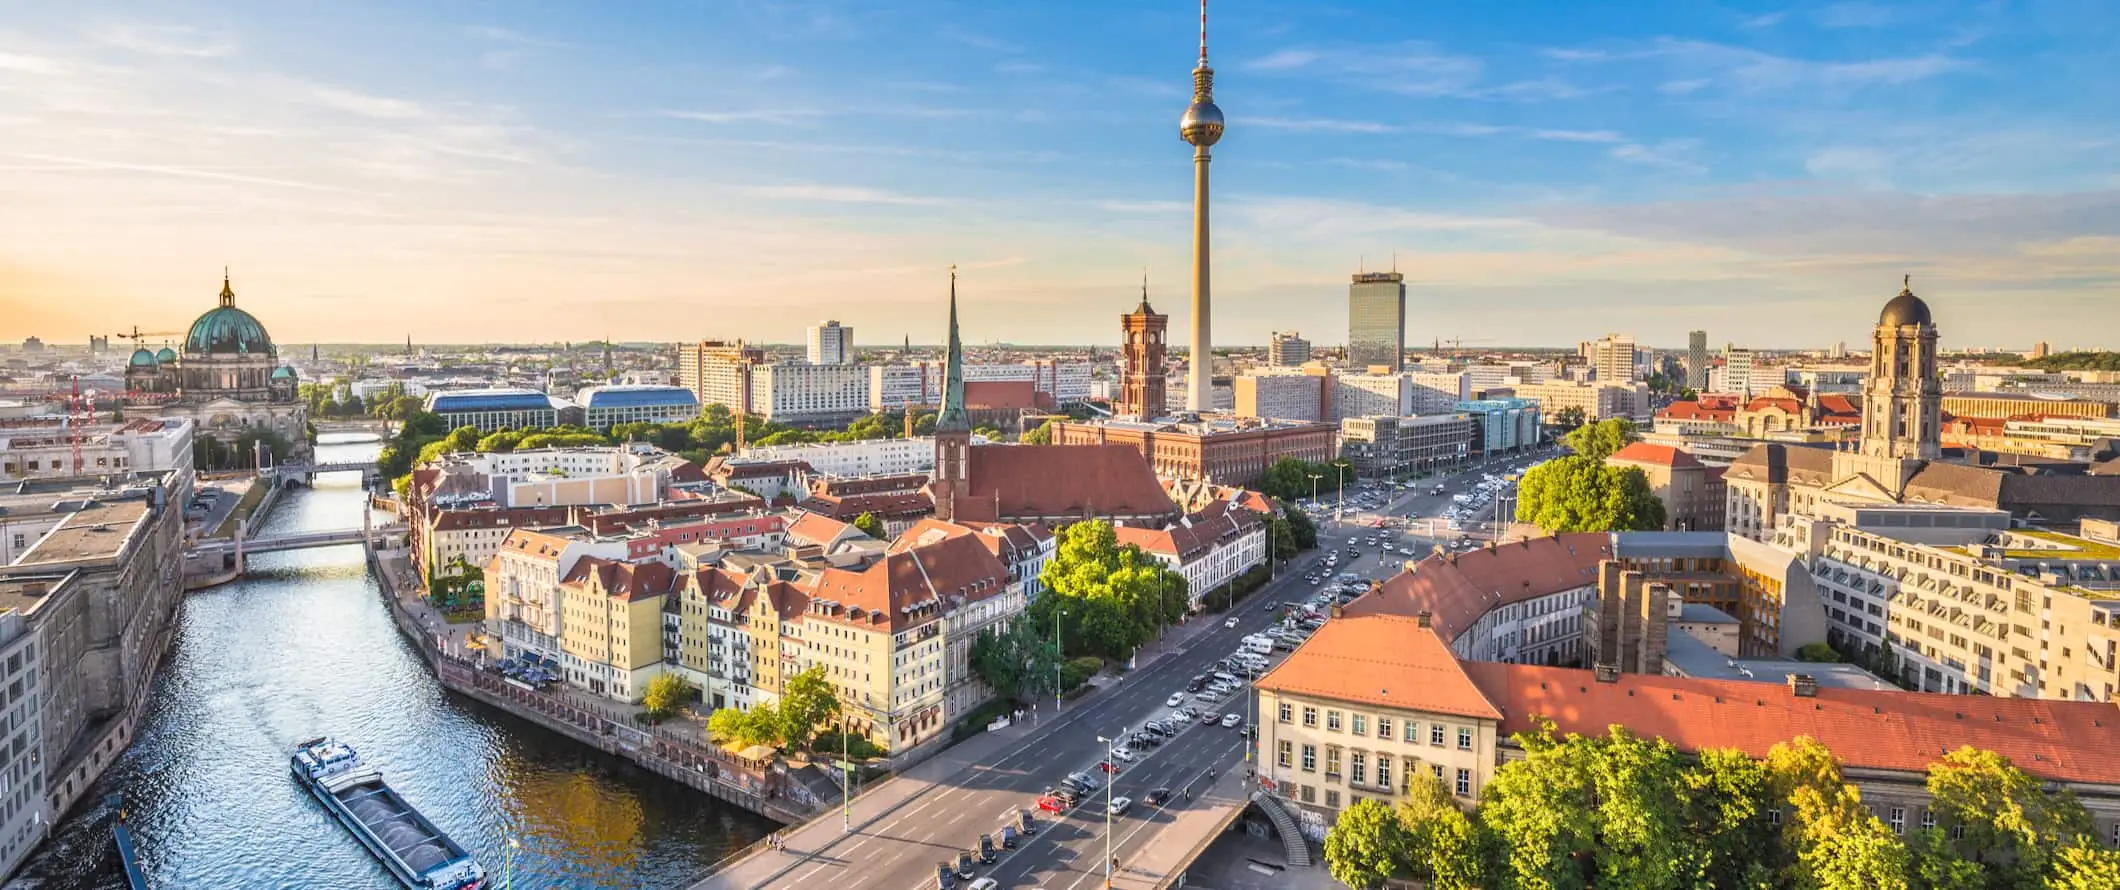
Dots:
pixel 846 803
pixel 1110 779
pixel 1339 515
pixel 1059 658
pixel 1251 676
pixel 1314 477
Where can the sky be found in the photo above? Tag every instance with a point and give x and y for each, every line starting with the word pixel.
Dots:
pixel 1542 172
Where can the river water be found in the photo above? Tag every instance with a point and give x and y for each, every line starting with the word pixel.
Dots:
pixel 302 647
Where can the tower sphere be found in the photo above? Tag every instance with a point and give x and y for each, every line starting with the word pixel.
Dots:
pixel 1202 123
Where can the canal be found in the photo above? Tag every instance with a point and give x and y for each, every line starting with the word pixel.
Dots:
pixel 302 647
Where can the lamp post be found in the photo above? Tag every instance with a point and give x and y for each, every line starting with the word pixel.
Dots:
pixel 846 802
pixel 1250 676
pixel 1314 477
pixel 1110 779
pixel 1059 658
pixel 1340 514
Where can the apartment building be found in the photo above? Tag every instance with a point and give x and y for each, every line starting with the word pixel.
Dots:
pixel 1504 425
pixel 1210 548
pixel 1281 396
pixel 1612 359
pixel 2023 404
pixel 1381 692
pixel 610 625
pixel 1597 401
pixel 523 580
pixel 25 816
pixel 1227 452
pixel 1518 602
pixel 894 386
pixel 628 475
pixel 1287 349
pixel 1737 372
pixel 868 457
pixel 831 343
pixel 1966 604
pixel 798 393
pixel 719 372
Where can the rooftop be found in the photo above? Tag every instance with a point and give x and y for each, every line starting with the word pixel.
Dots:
pixel 96 531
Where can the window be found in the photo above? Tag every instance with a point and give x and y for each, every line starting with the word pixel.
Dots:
pixel 1310 793
pixel 1438 771
pixel 1310 716
pixel 1413 731
pixel 1464 738
pixel 1928 818
pixel 1464 782
pixel 1357 768
pixel 1898 820
pixel 1361 724
pixel 1332 761
pixel 1285 748
pixel 1332 799
pixel 1383 772
pixel 1332 721
pixel 1310 758
pixel 1435 734
pixel 1287 713
pixel 1384 727
pixel 1774 816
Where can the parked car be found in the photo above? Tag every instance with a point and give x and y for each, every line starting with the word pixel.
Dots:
pixel 1175 699
pixel 1123 754
pixel 1108 766
pixel 964 866
pixel 1052 804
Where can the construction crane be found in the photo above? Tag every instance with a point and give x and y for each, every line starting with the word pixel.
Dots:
pixel 137 335
pixel 1457 345
pixel 79 413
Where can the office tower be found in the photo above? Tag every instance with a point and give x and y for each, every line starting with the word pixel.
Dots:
pixel 1737 370
pixel 1612 358
pixel 1201 127
pixel 1697 360
pixel 1287 350
pixel 1376 321
pixel 831 344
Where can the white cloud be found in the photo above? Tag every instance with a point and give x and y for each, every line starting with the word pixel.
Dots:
pixel 163 40
pixel 23 63
pixel 1282 60
pixel 363 104
pixel 1767 20
pixel 1578 135
pixel 505 35
pixel 1018 66
pixel 1317 125
pixel 746 116
pixel 1675 155
pixel 980 41
pixel 846 194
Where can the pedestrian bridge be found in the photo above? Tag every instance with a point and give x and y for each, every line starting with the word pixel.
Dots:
pixel 276 543
pixel 304 473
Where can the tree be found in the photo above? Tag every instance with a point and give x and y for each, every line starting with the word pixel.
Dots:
pixel 1281 537
pixel 1725 812
pixel 1366 845
pixel 1642 838
pixel 1300 528
pixel 1602 439
pixel 1569 418
pixel 807 702
pixel 1116 598
pixel 1015 660
pixel 873 527
pixel 1442 844
pixel 1819 653
pixel 761 725
pixel 664 695
pixel 2010 826
pixel 500 442
pixel 1539 810
pixel 1043 435
pixel 1581 494
pixel 1829 842
pixel 1289 479
pixel 2083 865
pixel 1933 865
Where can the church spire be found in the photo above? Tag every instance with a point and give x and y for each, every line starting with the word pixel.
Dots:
pixel 228 293
pixel 952 417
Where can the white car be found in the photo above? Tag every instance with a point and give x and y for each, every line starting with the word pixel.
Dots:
pixel 1119 805
pixel 1123 754
pixel 1230 622
pixel 1175 699
pixel 1230 721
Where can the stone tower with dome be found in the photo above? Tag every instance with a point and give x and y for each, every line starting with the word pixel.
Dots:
pixel 227 381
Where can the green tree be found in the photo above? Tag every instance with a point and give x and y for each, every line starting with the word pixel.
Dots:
pixel 2083 865
pixel 1933 865
pixel 1817 653
pixel 500 442
pixel 1116 598
pixel 1829 842
pixel 1582 494
pixel 807 703
pixel 664 695
pixel 1300 528
pixel 1725 812
pixel 1442 844
pixel 1602 439
pixel 2010 825
pixel 1569 418
pixel 1366 845
pixel 873 527
pixel 1638 785
pixel 1016 661
pixel 1539 810
pixel 761 725
pixel 1282 537
pixel 1043 435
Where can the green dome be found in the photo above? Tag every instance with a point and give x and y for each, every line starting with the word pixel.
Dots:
pixel 141 358
pixel 226 330
pixel 283 372
pixel 166 356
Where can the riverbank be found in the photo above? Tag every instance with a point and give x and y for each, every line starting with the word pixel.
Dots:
pixel 760 787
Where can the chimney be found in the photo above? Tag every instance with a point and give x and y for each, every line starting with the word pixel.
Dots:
pixel 1336 608
pixel 1803 685
pixel 1426 618
pixel 1607 672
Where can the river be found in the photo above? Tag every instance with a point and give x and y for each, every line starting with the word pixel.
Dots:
pixel 303 646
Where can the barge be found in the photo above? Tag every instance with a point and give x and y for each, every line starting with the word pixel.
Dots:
pixel 417 853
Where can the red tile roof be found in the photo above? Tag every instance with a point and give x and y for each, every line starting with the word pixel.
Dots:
pixel 1458 589
pixel 1384 660
pixel 1194 536
pixel 622 580
pixel 1032 481
pixel 1660 455
pixel 1704 410
pixel 909 587
pixel 1000 395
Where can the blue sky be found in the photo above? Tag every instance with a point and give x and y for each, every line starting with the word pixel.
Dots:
pixel 1543 171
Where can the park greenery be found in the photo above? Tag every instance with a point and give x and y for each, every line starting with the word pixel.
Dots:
pixel 1569 418
pixel 664 696
pixel 807 705
pixel 1622 811
pixel 2075 361
pixel 1289 478
pixel 1109 599
pixel 1581 493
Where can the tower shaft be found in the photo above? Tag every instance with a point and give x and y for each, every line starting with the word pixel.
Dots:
pixel 1199 395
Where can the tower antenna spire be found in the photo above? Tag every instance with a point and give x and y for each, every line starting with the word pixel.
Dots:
pixel 1203 33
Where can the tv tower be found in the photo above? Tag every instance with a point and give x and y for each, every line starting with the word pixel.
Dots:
pixel 1202 128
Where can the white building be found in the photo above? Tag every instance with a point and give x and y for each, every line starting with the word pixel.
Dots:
pixel 44 450
pixel 1280 396
pixel 1432 393
pixel 1371 395
pixel 801 393
pixel 868 457
pixel 894 386
pixel 606 406
pixel 370 389
pixel 1287 349
pixel 1737 372
pixel 1210 548
pixel 1613 359
pixel 493 410
pixel 629 475
pixel 522 587
pixel 1597 401
pixel 831 344
pixel 25 816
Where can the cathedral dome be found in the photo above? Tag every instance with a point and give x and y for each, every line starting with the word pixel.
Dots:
pixel 141 358
pixel 166 356
pixel 226 330
pixel 1904 309
pixel 283 372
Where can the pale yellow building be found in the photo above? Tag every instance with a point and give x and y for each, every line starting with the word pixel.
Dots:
pixel 610 627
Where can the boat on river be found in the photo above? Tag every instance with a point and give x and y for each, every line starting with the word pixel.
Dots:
pixel 412 848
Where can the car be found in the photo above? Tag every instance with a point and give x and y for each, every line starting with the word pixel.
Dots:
pixel 1052 804
pixel 983 884
pixel 1207 719
pixel 945 878
pixel 1108 766
pixel 1120 805
pixel 1157 797
pixel 1122 754
pixel 1231 621
pixel 1175 699
pixel 1230 721
pixel 964 867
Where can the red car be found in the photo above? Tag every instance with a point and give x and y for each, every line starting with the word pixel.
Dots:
pixel 1051 804
pixel 1108 766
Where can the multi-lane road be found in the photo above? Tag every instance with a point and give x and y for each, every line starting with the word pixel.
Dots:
pixel 901 848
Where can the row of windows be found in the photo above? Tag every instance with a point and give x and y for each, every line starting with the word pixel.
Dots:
pixel 1359 723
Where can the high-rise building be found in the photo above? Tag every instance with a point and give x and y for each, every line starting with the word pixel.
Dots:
pixel 1141 389
pixel 1612 359
pixel 831 344
pixel 1376 321
pixel 1737 371
pixel 1201 127
pixel 1287 349
pixel 2041 349
pixel 719 372
pixel 1697 360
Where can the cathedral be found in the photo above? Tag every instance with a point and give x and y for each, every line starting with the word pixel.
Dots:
pixel 228 380
pixel 1900 458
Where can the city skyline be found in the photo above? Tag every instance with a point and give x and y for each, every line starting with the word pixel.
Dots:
pixel 682 174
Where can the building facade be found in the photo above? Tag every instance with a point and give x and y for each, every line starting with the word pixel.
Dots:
pixel 1383 447
pixel 831 343
pixel 37 450
pixel 1209 548
pixel 1287 349
pixel 1612 359
pixel 1597 401
pixel 1737 372
pixel 719 372
pixel 1376 321
pixel 606 406
pixel 1697 360
pixel 228 381
pixel 1501 426
pixel 1691 491
pixel 1281 396
pixel 493 410
pixel 1142 384
pixel 1226 452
